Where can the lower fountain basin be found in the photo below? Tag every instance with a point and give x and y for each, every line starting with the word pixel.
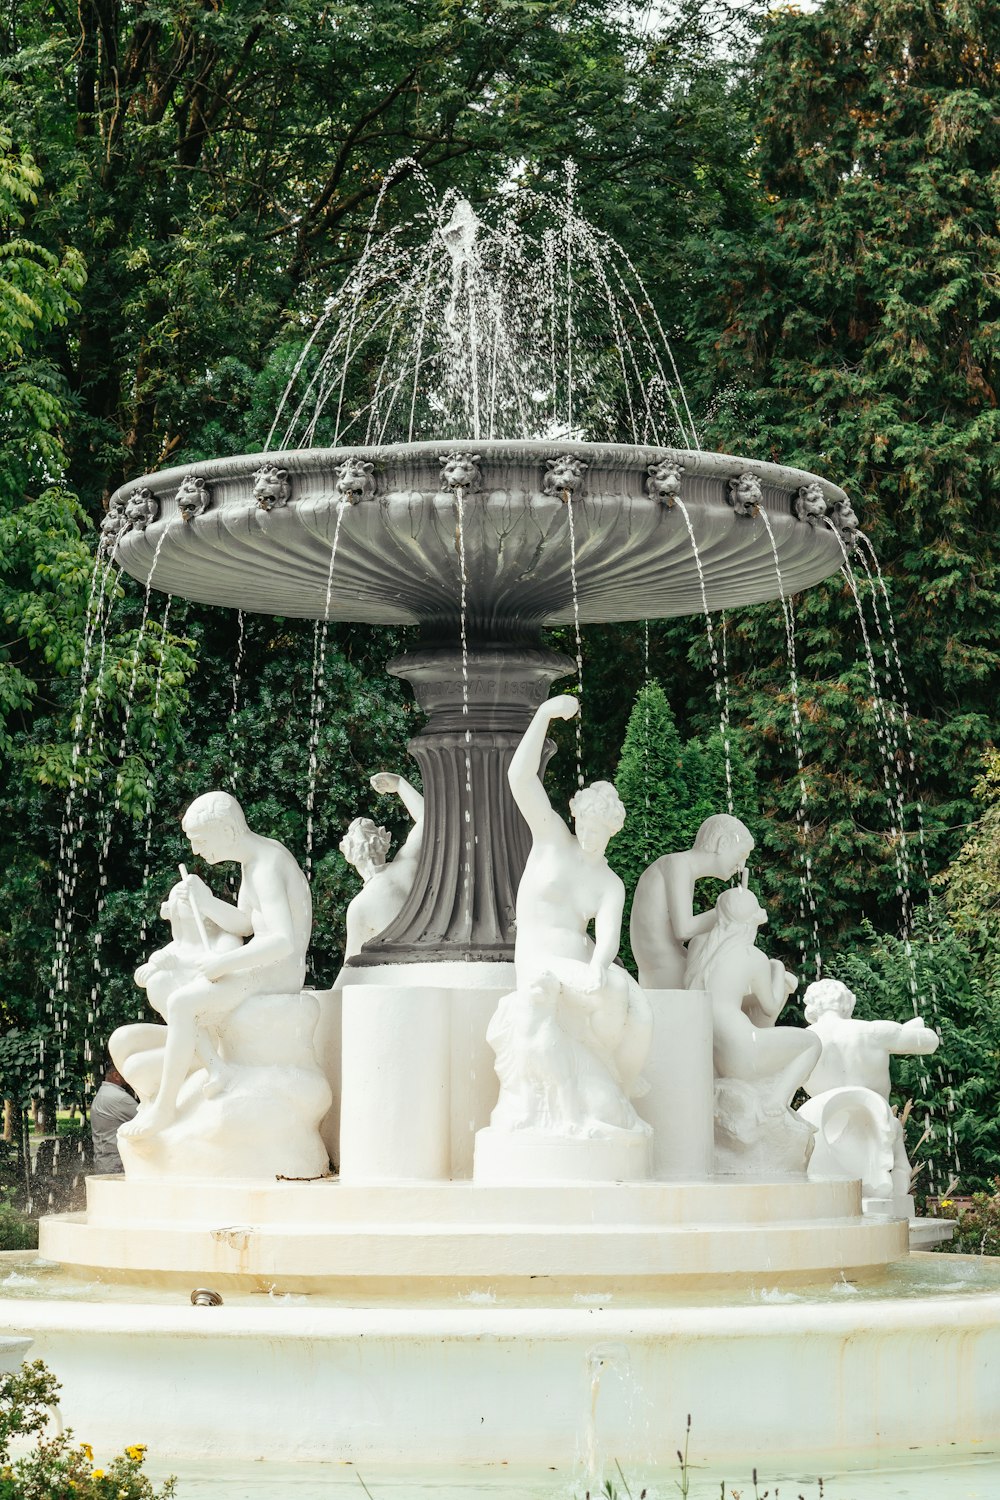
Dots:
pixel 903 1359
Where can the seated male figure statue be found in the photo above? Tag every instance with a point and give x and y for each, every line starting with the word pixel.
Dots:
pixel 273 912
pixel 663 918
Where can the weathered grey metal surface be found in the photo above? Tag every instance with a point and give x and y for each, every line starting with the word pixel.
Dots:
pixel 398 556
pixel 475 841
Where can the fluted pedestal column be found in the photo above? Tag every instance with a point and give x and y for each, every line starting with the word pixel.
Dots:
pixel 475 841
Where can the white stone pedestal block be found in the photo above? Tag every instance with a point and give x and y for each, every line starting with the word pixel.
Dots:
pixel 395 1118
pixel 680 1099
pixel 512 1156
pixel 465 997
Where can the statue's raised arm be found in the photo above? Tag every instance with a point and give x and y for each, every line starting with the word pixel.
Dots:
pixel 523 773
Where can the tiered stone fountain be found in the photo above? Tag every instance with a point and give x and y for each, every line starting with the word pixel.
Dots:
pixel 455 1308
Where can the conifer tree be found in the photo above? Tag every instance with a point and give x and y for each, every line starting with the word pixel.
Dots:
pixel 862 342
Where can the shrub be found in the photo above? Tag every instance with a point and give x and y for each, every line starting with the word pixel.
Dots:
pixel 59 1468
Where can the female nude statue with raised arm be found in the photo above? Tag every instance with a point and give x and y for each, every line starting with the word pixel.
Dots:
pixel 566 885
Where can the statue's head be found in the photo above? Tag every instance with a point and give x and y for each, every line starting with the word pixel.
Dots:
pixel 598 814
pixel 729 840
pixel 215 826
pixel 828 997
pixel 365 842
pixel 739 907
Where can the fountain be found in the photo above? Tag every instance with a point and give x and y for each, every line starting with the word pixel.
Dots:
pixel 537 1158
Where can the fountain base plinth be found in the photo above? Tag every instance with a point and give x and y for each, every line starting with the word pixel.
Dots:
pixel 331 1236
pixel 519 1156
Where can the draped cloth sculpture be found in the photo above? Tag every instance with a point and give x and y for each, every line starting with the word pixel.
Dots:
pixel 230 1086
pixel 572 1039
pixel 758 1066
pixel 858 1135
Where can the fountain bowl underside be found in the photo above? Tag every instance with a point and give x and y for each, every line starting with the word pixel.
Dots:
pixel 398 558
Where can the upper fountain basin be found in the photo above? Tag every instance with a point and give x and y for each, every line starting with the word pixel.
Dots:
pixel 255 532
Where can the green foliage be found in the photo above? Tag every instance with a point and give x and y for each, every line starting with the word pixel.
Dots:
pixel 978 1231
pixel 17 1230
pixel 957 1087
pixel 860 320
pixel 59 1468
pixel 972 882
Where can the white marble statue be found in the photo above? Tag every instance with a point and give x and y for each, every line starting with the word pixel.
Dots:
pixel 572 1038
pixel 568 884
pixel 858 1135
pixel 758 1065
pixel 550 1081
pixel 230 1085
pixel 386 883
pixel 663 919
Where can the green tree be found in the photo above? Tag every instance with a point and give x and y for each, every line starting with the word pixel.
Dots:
pixel 861 339
pixel 972 881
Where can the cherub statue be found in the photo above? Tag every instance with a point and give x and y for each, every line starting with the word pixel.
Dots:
pixel 663 918
pixel 567 885
pixel 386 884
pixel 758 1065
pixel 857 1133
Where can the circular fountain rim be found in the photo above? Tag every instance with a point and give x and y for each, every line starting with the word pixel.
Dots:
pixel 626 456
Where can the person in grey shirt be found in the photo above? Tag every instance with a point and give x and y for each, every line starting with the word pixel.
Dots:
pixel 112 1106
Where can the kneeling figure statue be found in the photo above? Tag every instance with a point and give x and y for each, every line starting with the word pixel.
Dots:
pixel 758 1065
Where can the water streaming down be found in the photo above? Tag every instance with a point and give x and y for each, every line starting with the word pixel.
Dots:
pixel 897 834
pixel 578 639
pixel 235 741
pixel 317 696
pixel 107 810
pixel 886 629
pixel 72 830
pixel 808 909
pixel 721 700
pixel 464 630
pixel 147 840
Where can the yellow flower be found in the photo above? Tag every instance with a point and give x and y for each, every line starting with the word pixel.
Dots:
pixel 946 1203
pixel 136 1452
pixel 87 1452
pixel 97 1474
